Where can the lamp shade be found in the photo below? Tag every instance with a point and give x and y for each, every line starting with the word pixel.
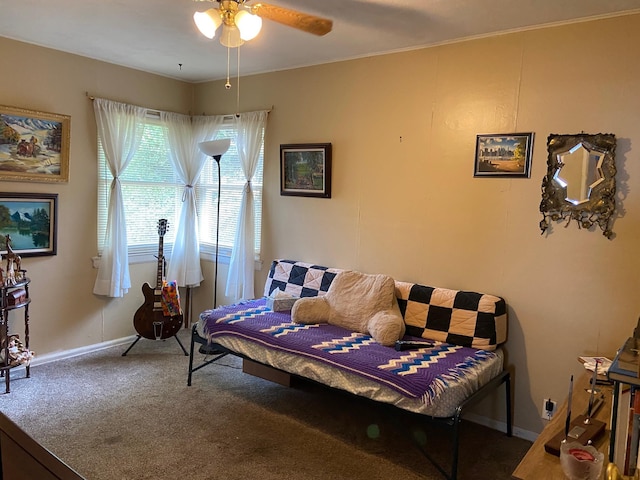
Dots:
pixel 248 24
pixel 208 22
pixel 214 148
pixel 230 36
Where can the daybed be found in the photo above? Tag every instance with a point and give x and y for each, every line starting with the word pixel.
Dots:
pixel 463 364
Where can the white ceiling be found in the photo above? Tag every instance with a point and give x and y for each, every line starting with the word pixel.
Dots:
pixel 158 35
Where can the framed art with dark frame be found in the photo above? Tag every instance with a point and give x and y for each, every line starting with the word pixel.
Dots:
pixel 30 219
pixel 503 155
pixel 34 146
pixel 305 170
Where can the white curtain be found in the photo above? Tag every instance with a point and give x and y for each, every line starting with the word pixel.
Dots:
pixel 249 141
pixel 120 128
pixel 183 137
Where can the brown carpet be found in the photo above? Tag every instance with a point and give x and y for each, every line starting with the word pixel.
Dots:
pixel 114 418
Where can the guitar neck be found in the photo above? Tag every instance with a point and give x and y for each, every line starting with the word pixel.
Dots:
pixel 160 273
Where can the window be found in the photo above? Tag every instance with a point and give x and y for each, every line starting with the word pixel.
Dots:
pixel 151 191
pixel 233 181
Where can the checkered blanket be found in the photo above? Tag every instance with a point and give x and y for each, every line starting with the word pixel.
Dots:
pixel 465 318
pixel 421 373
pixel 470 319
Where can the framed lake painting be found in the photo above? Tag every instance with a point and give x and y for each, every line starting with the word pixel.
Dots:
pixel 30 220
pixel 34 146
pixel 504 155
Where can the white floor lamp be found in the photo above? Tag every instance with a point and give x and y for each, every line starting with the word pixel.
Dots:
pixel 215 149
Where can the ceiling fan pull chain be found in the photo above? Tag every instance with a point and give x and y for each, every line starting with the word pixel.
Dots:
pixel 238 87
pixel 228 84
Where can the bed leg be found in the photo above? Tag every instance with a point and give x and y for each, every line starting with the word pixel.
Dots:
pixel 457 419
pixel 456 444
pixel 191 356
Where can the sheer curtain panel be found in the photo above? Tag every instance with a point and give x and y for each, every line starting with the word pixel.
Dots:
pixel 249 141
pixel 183 136
pixel 120 128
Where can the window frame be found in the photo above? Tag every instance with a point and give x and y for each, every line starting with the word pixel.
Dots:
pixel 147 252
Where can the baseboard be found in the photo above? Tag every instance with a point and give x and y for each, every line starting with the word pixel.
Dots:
pixel 501 426
pixel 74 352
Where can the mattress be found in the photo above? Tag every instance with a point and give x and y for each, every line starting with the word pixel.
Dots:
pixel 252 330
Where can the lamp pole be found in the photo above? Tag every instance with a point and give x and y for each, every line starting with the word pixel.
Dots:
pixel 215 149
pixel 215 275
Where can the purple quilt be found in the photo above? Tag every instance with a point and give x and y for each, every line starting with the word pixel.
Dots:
pixel 420 373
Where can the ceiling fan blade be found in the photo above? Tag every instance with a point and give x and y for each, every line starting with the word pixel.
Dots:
pixel 291 18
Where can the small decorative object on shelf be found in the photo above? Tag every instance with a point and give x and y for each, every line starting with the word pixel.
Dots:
pixel 16 297
pixel 18 353
pixel 581 462
pixel 14 272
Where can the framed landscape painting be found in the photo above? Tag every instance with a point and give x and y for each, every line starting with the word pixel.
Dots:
pixel 30 220
pixel 34 146
pixel 305 170
pixel 503 155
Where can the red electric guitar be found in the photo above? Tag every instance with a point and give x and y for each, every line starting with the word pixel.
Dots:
pixel 150 320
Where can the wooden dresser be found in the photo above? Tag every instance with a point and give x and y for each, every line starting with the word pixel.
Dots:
pixel 22 458
pixel 537 463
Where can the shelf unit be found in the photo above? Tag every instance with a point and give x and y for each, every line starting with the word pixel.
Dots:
pixel 623 371
pixel 5 308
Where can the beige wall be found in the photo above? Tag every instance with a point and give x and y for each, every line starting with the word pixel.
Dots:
pixel 404 202
pixel 64 312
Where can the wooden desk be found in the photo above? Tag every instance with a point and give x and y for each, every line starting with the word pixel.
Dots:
pixel 537 463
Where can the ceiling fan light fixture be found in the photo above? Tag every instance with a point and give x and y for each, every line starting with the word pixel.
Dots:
pixel 242 23
pixel 230 36
pixel 248 24
pixel 208 22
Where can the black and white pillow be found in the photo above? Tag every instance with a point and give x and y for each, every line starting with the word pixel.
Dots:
pixel 299 279
pixel 469 319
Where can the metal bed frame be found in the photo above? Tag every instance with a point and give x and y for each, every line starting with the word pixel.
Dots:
pixel 452 423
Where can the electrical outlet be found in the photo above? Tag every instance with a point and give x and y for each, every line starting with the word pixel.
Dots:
pixel 549 408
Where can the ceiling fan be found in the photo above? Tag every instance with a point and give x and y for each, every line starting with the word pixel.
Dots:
pixel 242 22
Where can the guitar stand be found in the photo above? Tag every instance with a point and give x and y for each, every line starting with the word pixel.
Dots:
pixel 138 337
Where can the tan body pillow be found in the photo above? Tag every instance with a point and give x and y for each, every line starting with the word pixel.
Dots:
pixel 359 302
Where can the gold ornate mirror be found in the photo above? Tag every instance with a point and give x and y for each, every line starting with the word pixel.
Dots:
pixel 580 183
